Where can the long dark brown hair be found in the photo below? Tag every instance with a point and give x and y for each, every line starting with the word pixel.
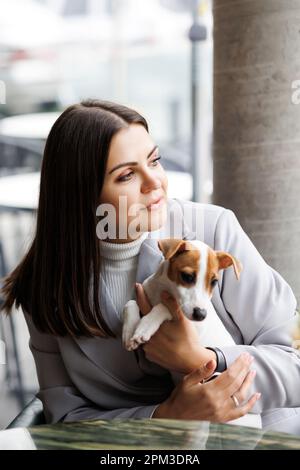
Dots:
pixel 53 280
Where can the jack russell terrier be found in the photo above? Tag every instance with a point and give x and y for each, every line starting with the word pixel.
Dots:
pixel 189 273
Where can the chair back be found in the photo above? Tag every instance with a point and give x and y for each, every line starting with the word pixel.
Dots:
pixel 31 415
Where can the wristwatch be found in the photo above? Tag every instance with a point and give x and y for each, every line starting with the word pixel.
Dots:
pixel 221 361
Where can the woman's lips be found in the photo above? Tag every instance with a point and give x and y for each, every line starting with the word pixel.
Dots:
pixel 156 205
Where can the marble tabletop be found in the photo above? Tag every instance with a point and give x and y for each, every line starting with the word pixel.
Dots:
pixel 144 434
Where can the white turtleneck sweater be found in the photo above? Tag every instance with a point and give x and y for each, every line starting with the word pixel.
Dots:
pixel 118 268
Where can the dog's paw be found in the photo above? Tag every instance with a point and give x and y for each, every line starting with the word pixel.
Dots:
pixel 137 340
pixel 127 344
pixel 131 345
pixel 131 319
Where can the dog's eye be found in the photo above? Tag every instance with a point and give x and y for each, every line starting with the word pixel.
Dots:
pixel 189 278
pixel 214 282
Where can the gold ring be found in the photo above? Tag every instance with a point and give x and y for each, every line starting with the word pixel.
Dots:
pixel 235 400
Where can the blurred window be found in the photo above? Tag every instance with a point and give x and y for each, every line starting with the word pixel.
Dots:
pixel 75 7
pixel 18 156
pixel 108 7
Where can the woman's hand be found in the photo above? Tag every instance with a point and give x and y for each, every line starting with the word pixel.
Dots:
pixel 175 346
pixel 212 401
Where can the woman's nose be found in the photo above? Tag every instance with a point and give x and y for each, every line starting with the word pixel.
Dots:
pixel 150 183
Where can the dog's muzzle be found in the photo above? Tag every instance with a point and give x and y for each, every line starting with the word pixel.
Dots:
pixel 199 314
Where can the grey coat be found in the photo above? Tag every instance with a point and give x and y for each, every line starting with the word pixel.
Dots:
pixel 89 378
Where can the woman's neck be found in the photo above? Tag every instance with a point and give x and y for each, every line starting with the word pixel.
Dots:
pixel 120 251
pixel 125 240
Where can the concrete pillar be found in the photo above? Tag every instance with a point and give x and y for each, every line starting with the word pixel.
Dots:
pixel 257 124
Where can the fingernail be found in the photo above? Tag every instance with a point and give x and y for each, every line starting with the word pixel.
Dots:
pixel 208 365
pixel 136 285
pixel 252 374
pixel 258 395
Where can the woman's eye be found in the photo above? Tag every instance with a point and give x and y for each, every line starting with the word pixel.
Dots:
pixel 128 176
pixel 214 282
pixel 125 177
pixel 156 161
pixel 188 278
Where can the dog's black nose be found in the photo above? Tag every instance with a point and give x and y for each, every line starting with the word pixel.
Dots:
pixel 199 314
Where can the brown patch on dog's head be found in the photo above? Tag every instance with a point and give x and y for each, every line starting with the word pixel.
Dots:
pixel 172 246
pixel 184 261
pixel 217 260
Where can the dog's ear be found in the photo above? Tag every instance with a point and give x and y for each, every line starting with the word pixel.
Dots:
pixel 225 260
pixel 172 246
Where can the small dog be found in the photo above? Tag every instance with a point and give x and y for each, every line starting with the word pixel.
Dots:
pixel 189 272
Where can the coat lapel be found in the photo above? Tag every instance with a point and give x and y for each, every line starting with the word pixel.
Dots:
pixel 150 258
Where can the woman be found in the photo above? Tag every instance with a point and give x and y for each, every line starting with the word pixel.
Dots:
pixel 72 287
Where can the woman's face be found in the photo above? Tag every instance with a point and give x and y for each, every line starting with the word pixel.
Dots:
pixel 134 179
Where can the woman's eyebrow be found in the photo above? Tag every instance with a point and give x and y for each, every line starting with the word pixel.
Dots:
pixel 131 163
